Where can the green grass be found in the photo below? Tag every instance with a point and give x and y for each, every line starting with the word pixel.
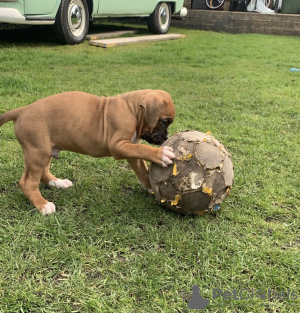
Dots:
pixel 110 247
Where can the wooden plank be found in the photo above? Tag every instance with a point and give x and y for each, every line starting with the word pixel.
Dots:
pixel 110 34
pixel 105 43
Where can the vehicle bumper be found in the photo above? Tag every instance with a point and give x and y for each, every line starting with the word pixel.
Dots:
pixel 13 16
pixel 183 12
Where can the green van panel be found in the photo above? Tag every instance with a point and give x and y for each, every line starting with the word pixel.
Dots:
pixel 40 7
pixel 128 7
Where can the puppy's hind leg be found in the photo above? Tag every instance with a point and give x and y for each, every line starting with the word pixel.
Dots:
pixel 51 180
pixel 35 163
pixel 141 170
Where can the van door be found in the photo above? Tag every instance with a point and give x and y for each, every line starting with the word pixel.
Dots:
pixel 40 7
pixel 128 7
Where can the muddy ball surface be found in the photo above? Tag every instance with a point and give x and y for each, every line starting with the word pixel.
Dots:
pixel 200 177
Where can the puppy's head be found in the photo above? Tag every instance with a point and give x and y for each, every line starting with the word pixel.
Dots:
pixel 159 112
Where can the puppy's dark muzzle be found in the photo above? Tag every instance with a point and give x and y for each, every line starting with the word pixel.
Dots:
pixel 157 137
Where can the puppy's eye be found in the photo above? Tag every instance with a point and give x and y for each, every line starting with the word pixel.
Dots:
pixel 166 122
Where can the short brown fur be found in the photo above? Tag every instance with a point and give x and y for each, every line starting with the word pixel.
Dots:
pixel 88 124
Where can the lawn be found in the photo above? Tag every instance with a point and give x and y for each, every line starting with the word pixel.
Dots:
pixel 110 247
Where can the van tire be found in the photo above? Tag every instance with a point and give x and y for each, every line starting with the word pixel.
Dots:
pixel 160 19
pixel 72 21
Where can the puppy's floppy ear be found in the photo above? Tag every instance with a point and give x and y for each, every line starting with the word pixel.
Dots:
pixel 152 106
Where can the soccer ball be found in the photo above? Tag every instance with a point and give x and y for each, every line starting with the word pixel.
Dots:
pixel 200 177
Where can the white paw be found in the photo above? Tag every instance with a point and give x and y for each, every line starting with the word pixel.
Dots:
pixel 48 208
pixel 168 155
pixel 61 183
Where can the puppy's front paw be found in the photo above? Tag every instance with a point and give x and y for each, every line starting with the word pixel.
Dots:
pixel 61 183
pixel 48 208
pixel 168 155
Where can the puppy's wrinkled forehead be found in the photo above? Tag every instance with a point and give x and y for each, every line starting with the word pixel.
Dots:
pixel 169 108
pixel 157 104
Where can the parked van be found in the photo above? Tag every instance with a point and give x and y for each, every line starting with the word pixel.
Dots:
pixel 72 17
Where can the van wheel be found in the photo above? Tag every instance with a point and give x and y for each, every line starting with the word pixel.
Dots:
pixel 72 21
pixel 160 20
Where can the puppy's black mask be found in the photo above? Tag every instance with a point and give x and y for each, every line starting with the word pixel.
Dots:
pixel 160 133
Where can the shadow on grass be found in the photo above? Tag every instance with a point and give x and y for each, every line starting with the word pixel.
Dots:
pixel 19 35
pixel 27 35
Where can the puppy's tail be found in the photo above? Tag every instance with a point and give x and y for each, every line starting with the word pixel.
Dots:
pixel 9 116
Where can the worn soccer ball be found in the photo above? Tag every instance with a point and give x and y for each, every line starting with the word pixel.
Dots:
pixel 200 177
